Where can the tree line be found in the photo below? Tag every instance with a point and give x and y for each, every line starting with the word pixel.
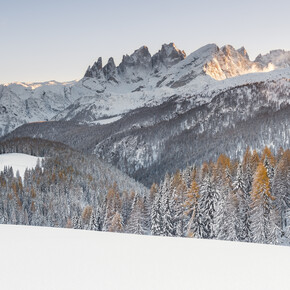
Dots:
pixel 238 200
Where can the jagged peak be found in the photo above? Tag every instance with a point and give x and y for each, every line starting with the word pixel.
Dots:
pixel 143 50
pixel 278 58
pixel 208 49
pixel 110 70
pixel 97 66
pixel 95 70
pixel 139 58
pixel 243 52
pixel 111 62
pixel 275 51
pixel 172 48
pixel 228 49
pixel 168 56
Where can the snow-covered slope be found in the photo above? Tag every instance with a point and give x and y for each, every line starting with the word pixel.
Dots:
pixel 186 128
pixel 18 161
pixel 110 91
pixel 50 258
pixel 34 102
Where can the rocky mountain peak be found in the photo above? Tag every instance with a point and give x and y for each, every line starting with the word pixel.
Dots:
pixel 228 62
pixel 243 52
pixel 278 58
pixel 168 56
pixel 110 70
pixel 95 70
pixel 139 59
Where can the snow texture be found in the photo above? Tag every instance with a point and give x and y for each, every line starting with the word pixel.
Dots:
pixel 50 258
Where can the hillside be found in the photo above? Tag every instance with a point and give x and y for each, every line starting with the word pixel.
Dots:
pixel 249 110
pixel 47 258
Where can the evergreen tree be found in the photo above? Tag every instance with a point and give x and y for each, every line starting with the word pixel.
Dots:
pixel 207 207
pixel 156 217
pixel 136 221
pixel 243 204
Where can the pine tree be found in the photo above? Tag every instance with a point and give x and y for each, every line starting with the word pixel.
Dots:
pixel 136 221
pixel 281 190
pixel 243 200
pixel 156 218
pixel 169 215
pixel 207 207
pixel 77 223
pixel 93 226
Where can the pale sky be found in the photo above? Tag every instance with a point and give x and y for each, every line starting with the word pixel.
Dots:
pixel 58 39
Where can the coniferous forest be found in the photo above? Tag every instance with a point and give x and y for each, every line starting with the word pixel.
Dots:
pixel 244 200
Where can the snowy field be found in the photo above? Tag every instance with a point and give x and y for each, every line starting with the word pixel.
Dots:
pixel 50 258
pixel 18 161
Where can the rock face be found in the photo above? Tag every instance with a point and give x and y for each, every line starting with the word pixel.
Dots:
pixel 228 62
pixel 168 56
pixel 140 59
pixel 96 70
pixel 110 70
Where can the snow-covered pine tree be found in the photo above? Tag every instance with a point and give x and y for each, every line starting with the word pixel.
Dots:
pixel 77 223
pixel 93 225
pixel 156 217
pixel 243 206
pixel 136 221
pixel 207 207
pixel 281 189
pixel 169 215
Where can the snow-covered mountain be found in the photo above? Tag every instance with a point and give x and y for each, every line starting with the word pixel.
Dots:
pixel 279 58
pixel 108 92
pixel 152 114
pixel 248 110
pixel 22 103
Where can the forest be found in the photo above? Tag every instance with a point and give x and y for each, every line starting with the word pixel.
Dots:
pixel 244 200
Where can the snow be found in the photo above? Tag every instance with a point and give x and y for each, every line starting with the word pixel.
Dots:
pixel 90 99
pixel 18 161
pixel 51 258
pixel 108 120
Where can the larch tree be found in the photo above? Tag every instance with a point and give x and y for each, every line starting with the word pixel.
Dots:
pixel 116 224
pixel 261 206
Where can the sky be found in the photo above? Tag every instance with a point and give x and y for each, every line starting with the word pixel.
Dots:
pixel 57 40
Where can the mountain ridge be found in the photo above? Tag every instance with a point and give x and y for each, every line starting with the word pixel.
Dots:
pixel 139 80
